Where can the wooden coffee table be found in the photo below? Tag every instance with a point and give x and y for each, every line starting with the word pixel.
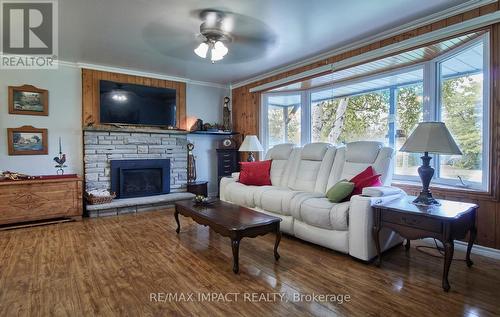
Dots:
pixel 233 221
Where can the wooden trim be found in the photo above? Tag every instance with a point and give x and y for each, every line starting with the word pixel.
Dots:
pixel 27 128
pixel 91 101
pixel 29 88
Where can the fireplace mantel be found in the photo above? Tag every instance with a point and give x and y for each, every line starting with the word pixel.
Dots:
pixel 133 129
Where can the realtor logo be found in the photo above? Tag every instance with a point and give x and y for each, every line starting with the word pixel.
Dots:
pixel 29 34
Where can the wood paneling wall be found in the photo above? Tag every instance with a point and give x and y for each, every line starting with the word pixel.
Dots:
pixel 246 113
pixel 90 93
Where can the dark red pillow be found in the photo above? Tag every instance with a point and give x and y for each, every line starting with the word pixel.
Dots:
pixel 256 173
pixel 368 172
pixel 366 178
pixel 367 182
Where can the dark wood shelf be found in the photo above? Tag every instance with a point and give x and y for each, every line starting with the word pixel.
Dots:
pixel 213 133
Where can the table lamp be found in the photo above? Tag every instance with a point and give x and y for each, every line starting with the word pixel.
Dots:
pixel 251 144
pixel 429 137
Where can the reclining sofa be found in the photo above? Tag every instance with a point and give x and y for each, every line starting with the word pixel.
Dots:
pixel 300 178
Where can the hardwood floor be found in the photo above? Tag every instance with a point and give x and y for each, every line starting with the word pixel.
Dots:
pixel 112 266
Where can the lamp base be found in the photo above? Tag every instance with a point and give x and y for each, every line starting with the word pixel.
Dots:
pixel 250 157
pixel 426 199
pixel 426 172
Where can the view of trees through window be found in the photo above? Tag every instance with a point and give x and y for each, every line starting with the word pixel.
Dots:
pixel 348 119
pixel 461 111
pixel 390 111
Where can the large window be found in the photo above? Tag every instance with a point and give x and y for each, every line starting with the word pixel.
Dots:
pixel 386 106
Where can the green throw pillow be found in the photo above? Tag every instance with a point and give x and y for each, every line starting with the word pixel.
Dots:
pixel 340 191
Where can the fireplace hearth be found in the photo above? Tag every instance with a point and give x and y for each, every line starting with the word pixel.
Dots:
pixel 140 178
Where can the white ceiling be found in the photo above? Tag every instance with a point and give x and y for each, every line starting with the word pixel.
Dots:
pixel 159 35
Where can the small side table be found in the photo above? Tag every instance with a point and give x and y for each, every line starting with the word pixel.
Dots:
pixel 198 188
pixel 448 222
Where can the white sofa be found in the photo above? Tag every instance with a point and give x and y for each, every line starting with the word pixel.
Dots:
pixel 300 178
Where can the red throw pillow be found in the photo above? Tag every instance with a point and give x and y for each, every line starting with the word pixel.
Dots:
pixel 366 178
pixel 367 182
pixel 368 172
pixel 256 173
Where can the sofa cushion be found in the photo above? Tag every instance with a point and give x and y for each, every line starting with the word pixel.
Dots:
pixel 241 194
pixel 255 173
pixel 277 200
pixel 308 166
pixel 281 156
pixel 320 212
pixel 362 151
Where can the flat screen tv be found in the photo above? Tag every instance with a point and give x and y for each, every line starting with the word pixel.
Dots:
pixel 137 104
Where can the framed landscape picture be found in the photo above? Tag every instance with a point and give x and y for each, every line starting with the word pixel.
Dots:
pixel 28 100
pixel 27 140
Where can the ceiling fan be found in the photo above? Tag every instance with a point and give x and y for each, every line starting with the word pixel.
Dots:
pixel 221 30
pixel 213 32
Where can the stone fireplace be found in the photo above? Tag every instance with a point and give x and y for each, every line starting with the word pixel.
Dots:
pixel 149 163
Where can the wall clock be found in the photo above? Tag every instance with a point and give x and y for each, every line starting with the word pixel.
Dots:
pixel 227 143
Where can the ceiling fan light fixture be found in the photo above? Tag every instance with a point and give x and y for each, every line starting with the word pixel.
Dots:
pixel 220 49
pixel 202 50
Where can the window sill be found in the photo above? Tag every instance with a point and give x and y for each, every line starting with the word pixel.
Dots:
pixel 445 190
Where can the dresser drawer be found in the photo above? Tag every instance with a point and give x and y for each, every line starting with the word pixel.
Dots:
pixel 419 222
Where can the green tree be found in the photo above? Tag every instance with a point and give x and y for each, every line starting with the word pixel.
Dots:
pixel 461 100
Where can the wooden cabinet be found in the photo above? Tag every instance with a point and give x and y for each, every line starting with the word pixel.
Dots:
pixel 40 199
pixel 227 163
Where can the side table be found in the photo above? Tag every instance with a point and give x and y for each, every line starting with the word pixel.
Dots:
pixel 448 222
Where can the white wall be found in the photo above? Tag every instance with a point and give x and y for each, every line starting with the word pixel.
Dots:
pixel 64 120
pixel 205 102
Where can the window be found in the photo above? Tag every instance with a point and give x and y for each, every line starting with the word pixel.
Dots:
pixel 462 109
pixel 444 83
pixel 283 119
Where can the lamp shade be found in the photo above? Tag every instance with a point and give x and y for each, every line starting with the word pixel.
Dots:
pixel 251 144
pixel 432 137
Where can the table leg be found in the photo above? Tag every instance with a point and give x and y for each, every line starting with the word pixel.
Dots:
pixel 235 244
pixel 277 243
pixel 472 238
pixel 176 215
pixel 448 257
pixel 407 245
pixel 375 232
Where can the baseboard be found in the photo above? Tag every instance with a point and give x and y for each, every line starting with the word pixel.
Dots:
pixel 476 249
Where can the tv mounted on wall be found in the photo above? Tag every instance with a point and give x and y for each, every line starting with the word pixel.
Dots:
pixel 137 104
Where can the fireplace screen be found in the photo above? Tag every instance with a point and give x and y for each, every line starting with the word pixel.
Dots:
pixel 140 182
pixel 138 178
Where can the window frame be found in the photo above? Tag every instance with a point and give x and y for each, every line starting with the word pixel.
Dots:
pixel 431 93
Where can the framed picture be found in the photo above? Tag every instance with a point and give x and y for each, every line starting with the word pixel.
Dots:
pixel 27 140
pixel 28 100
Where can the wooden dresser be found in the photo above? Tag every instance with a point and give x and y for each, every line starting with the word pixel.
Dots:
pixel 40 199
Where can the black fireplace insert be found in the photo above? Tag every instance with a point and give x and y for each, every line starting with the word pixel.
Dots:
pixel 139 178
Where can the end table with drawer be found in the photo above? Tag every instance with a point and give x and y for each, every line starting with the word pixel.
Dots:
pixel 447 222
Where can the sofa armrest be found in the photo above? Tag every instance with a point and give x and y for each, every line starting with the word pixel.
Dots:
pixel 361 243
pixel 224 181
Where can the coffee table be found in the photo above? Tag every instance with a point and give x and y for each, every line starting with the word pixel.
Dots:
pixel 230 220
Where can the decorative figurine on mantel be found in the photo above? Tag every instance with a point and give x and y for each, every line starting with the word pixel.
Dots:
pixel 191 175
pixel 60 160
pixel 226 115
